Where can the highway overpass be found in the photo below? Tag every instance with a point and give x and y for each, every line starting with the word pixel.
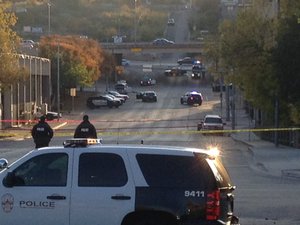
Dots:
pixel 148 47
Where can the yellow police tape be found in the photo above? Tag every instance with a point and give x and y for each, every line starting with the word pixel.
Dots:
pixel 174 132
pixel 68 132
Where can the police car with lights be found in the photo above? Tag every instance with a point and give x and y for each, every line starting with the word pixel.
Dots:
pixel 86 182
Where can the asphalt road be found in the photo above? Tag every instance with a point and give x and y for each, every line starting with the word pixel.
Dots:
pixel 260 199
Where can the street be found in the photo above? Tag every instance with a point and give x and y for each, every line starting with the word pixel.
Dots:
pixel 260 198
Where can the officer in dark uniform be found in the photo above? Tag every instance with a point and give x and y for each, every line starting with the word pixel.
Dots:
pixel 42 133
pixel 85 129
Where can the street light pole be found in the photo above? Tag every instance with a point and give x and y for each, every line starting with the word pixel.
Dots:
pixel 58 77
pixel 49 17
pixel 135 21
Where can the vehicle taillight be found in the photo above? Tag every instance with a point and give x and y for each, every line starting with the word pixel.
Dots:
pixel 213 205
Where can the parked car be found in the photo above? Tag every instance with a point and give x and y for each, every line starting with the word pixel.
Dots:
pixel 162 41
pixel 122 88
pixel 102 100
pixel 192 98
pixel 139 95
pixel 147 81
pixel 171 22
pixel 86 182
pixel 49 115
pixel 125 62
pixel 53 115
pixel 122 100
pixel 117 94
pixel 28 44
pixel 211 123
pixel 147 96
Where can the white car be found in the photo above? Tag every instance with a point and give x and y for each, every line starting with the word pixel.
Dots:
pixel 213 123
pixel 86 182
pixel 171 21
pixel 125 62
pixel 118 95
pixel 28 44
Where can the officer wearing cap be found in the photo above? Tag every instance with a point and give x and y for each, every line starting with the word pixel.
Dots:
pixel 42 133
pixel 85 129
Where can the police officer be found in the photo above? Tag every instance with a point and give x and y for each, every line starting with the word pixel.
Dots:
pixel 42 133
pixel 85 129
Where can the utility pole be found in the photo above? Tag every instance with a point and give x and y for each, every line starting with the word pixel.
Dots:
pixel 49 17
pixel 233 108
pixel 58 77
pixel 135 21
pixel 276 105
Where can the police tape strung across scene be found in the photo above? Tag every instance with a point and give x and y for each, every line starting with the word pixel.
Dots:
pixel 102 132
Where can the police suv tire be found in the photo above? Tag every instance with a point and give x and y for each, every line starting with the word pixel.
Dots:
pixel 160 219
pixel 181 101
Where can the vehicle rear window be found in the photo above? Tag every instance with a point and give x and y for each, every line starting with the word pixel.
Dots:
pixel 213 120
pixel 120 86
pixel 175 171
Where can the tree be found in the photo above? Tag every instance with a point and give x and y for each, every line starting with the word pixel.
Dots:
pixel 246 46
pixel 206 17
pixel 80 59
pixel 260 53
pixel 9 72
pixel 286 62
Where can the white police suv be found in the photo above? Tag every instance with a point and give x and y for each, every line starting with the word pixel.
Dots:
pixel 88 183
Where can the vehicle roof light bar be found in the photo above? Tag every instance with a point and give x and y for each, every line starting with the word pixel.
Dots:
pixel 81 142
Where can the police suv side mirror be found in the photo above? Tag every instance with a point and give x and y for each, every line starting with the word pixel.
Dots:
pixel 3 163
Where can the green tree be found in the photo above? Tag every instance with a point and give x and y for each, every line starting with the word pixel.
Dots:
pixel 286 62
pixel 259 51
pixel 246 46
pixel 9 41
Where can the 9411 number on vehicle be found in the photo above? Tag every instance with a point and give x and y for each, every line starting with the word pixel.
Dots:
pixel 197 194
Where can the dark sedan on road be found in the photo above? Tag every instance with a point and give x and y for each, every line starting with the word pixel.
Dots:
pixel 147 81
pixel 147 96
pixel 192 98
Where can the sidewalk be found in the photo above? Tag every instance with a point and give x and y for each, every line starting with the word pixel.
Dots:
pixel 281 161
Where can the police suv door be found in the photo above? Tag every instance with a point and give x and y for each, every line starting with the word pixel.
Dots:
pixel 36 189
pixel 103 191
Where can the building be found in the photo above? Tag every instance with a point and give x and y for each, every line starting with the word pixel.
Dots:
pixel 24 100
